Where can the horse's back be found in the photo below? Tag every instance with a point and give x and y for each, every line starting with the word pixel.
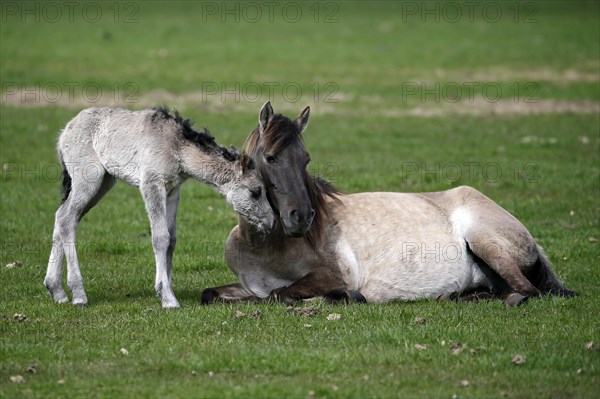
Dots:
pixel 127 144
pixel 402 245
pixel 419 245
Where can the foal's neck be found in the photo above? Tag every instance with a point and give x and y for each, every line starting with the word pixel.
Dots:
pixel 210 168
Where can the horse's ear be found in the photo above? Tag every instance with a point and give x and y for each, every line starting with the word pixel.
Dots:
pixel 265 116
pixel 302 120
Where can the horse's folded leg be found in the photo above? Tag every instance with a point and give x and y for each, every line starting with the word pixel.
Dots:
pixel 232 293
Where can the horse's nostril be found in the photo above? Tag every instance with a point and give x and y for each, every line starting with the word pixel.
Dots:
pixel 297 217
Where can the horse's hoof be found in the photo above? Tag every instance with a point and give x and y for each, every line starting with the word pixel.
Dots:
pixel 357 296
pixel 287 300
pixel 448 297
pixel 279 295
pixel 515 299
pixel 209 296
pixel 340 295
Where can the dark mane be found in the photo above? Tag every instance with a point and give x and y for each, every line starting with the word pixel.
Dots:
pixel 318 191
pixel 281 133
pixel 204 140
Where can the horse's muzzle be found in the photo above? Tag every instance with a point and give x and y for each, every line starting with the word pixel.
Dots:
pixel 296 225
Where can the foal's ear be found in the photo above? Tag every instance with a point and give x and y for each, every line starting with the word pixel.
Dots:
pixel 265 116
pixel 302 120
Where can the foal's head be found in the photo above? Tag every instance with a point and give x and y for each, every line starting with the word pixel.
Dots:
pixel 249 200
pixel 276 150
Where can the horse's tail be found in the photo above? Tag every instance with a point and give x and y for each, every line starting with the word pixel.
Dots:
pixel 66 180
pixel 544 278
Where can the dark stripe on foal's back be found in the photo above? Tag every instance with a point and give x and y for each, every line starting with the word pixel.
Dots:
pixel 204 140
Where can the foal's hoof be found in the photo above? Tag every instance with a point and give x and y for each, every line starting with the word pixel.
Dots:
pixel 515 299
pixel 58 294
pixel 60 298
pixel 170 304
pixel 80 303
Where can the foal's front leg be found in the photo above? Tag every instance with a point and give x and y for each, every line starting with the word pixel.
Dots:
pixel 155 198
pixel 172 204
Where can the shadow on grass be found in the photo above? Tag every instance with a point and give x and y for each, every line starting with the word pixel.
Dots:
pixel 185 296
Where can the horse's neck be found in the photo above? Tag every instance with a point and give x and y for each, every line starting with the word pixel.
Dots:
pixel 258 240
pixel 211 169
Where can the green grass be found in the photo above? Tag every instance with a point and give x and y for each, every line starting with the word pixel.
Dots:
pixel 544 168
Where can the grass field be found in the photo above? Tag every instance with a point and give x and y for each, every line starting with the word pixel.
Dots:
pixel 405 96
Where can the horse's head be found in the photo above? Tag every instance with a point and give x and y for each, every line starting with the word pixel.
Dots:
pixel 276 150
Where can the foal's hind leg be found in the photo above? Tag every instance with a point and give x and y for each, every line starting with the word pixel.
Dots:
pixel 155 198
pixel 53 280
pixel 86 191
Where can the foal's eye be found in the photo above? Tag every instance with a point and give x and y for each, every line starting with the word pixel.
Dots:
pixel 270 159
pixel 256 192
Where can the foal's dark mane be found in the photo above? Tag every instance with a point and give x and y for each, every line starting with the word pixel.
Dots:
pixel 280 133
pixel 204 140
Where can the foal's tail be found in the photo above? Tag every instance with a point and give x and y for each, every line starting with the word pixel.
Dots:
pixel 66 180
pixel 544 278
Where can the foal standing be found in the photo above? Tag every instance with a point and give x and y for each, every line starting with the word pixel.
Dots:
pixel 157 152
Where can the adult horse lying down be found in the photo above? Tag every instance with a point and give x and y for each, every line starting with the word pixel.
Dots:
pixel 374 246
pixel 157 152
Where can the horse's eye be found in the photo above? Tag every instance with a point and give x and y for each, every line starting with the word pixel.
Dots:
pixel 270 159
pixel 256 192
